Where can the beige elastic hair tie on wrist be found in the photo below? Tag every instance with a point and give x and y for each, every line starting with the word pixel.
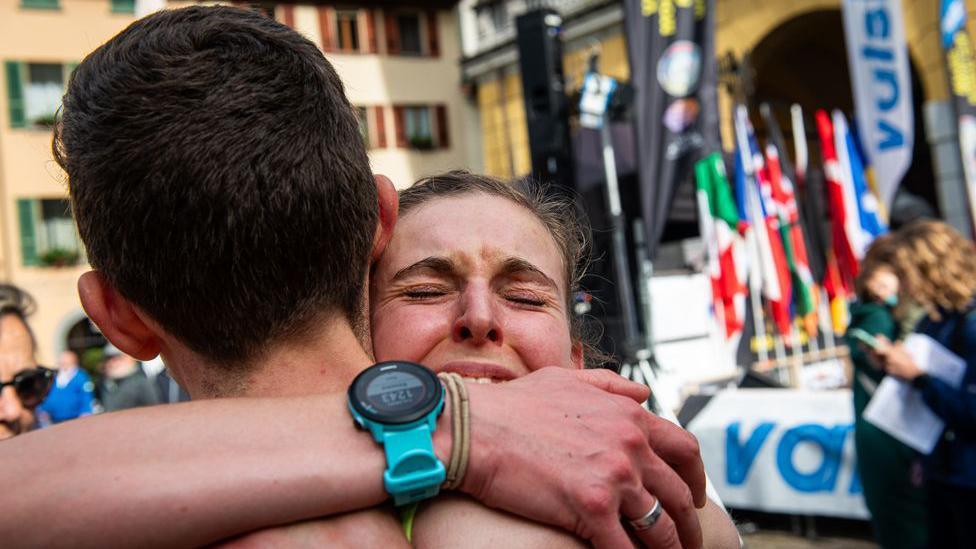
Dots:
pixel 457 465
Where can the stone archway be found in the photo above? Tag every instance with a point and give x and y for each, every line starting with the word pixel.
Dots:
pixel 804 61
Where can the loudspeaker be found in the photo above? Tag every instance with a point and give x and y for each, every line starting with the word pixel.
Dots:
pixel 543 89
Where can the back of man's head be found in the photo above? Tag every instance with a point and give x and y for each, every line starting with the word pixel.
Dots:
pixel 219 179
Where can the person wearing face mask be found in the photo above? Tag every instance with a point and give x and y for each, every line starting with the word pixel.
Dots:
pixel 936 264
pixel 23 384
pixel 889 470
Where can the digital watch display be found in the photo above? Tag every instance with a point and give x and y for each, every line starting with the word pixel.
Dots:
pixel 395 392
pixel 398 403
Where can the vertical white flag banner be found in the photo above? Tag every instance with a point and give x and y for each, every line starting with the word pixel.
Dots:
pixel 878 58
pixel 145 7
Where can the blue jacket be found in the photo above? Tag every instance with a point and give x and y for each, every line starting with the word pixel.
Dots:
pixel 954 459
pixel 73 400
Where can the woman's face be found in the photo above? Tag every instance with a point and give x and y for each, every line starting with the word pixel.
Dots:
pixel 472 284
pixel 883 284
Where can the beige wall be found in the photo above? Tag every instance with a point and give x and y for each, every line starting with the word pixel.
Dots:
pixel 26 167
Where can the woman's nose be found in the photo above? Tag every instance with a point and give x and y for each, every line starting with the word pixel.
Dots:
pixel 477 321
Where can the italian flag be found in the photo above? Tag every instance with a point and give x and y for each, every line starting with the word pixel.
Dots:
pixel 791 233
pixel 718 220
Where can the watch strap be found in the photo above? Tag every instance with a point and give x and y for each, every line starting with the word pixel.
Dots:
pixel 413 472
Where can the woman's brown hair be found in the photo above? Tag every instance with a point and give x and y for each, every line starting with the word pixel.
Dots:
pixel 936 265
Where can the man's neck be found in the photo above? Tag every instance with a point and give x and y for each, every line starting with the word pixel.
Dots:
pixel 324 361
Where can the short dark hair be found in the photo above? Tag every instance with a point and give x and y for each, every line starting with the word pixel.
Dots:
pixel 558 214
pixel 219 179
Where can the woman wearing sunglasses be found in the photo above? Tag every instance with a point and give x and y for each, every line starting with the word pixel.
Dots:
pixel 23 384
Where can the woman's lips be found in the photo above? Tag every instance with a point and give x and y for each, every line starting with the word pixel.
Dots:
pixel 478 370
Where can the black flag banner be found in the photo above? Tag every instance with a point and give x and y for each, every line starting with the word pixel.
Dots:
pixel 961 62
pixel 671 44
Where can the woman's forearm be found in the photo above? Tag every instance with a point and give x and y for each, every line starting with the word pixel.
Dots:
pixel 186 474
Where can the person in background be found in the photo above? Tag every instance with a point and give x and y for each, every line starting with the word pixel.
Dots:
pixel 123 384
pixel 168 389
pixel 890 471
pixel 73 394
pixel 23 384
pixel 937 266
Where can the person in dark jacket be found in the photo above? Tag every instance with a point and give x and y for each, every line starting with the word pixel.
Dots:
pixel 124 384
pixel 889 470
pixel 937 265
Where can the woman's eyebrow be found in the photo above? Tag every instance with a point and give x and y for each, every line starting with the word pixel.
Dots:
pixel 439 265
pixel 516 265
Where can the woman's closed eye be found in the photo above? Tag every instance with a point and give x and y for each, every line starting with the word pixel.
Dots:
pixel 527 298
pixel 424 292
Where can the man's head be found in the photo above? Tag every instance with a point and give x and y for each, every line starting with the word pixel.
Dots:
pixel 24 384
pixel 219 182
pixel 67 360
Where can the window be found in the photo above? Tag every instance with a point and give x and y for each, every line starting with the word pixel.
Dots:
pixel 363 115
pixel 347 30
pixel 421 127
pixel 408 29
pixel 416 121
pixel 34 92
pixel 412 33
pixel 372 126
pixel 40 4
pixel 264 8
pixel 123 6
pixel 47 232
pixel 42 94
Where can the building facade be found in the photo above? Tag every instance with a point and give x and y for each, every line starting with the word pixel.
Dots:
pixel 40 42
pixel 797 54
pixel 399 64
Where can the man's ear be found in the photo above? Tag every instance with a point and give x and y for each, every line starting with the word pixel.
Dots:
pixel 118 319
pixel 389 206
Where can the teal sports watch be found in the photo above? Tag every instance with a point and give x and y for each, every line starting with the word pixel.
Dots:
pixel 398 403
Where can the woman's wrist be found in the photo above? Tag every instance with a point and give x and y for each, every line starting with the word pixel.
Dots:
pixel 920 381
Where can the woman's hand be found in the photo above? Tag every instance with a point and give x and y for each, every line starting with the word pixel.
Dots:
pixel 895 360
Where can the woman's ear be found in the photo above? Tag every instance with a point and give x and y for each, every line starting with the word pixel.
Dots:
pixel 389 207
pixel 118 319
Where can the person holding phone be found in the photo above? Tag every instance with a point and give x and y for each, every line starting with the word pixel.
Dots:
pixel 889 470
pixel 936 264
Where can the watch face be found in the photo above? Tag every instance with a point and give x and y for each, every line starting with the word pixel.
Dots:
pixel 395 392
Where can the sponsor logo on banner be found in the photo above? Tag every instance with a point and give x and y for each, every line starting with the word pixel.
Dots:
pixel 679 69
pixel 782 451
pixel 881 80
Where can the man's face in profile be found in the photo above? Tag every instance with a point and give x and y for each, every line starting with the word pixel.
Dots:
pixel 16 355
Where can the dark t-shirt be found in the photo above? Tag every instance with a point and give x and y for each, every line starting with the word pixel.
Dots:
pixel 131 391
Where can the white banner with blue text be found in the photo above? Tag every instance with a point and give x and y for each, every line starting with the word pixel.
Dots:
pixel 782 451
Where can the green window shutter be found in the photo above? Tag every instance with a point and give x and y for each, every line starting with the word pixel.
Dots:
pixel 123 6
pixel 15 94
pixel 69 68
pixel 28 230
pixel 41 4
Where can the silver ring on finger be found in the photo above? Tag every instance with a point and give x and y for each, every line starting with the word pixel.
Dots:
pixel 649 519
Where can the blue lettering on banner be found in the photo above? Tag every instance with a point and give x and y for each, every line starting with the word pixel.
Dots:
pixel 741 456
pixel 892 137
pixel 877 25
pixel 831 442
